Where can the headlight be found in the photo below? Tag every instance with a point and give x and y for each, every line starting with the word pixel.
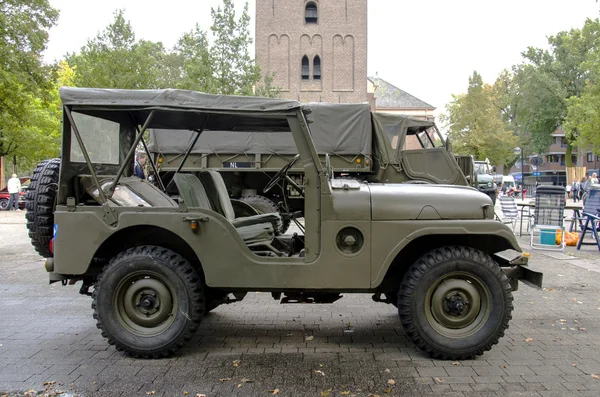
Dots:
pixel 490 184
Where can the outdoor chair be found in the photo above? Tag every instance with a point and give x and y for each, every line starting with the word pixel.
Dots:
pixel 510 212
pixel 548 218
pixel 591 217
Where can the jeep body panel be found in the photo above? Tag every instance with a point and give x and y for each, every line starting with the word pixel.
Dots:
pixel 421 202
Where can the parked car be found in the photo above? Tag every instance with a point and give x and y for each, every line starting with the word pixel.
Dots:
pixel 5 196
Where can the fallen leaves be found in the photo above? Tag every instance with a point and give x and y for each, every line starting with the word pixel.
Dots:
pixel 439 380
pixel 276 391
pixel 236 363
pixel 325 393
pixel 529 340
pixel 455 363
pixel 150 393
pixel 224 379
pixel 345 393
pixel 596 376
pixel 309 337
pixel 391 382
pixel 200 395
pixel 320 372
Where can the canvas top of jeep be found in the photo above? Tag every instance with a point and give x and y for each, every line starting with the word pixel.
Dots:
pixel 159 257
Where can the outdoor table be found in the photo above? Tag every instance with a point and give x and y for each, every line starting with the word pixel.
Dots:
pixel 530 203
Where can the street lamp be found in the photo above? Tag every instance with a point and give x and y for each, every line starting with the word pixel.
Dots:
pixel 516 151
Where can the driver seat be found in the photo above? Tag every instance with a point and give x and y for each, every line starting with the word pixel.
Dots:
pixel 220 201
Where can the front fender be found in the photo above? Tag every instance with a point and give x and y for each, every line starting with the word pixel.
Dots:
pixel 466 232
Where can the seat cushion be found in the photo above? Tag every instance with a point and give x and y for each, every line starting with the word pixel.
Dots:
pixel 274 219
pixel 256 233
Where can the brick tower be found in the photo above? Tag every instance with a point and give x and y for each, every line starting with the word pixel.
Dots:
pixel 317 49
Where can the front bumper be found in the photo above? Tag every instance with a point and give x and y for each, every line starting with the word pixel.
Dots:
pixel 515 266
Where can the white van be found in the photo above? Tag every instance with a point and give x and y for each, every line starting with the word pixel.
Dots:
pixel 509 181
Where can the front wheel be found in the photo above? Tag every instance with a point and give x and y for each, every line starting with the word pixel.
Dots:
pixel 148 301
pixel 455 303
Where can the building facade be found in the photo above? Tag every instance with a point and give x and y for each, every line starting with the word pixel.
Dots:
pixel 316 50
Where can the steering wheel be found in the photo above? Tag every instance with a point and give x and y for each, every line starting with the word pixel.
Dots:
pixel 282 174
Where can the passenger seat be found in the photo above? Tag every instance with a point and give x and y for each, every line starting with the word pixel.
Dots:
pixel 195 195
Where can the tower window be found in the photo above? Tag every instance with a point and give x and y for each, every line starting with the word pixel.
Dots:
pixel 310 13
pixel 305 72
pixel 317 68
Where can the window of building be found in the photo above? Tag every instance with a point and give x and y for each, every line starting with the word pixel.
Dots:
pixel 590 157
pixel 305 72
pixel 317 68
pixel 551 158
pixel 574 158
pixel 310 13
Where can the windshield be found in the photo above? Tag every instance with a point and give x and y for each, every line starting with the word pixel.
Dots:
pixel 482 168
pixel 430 138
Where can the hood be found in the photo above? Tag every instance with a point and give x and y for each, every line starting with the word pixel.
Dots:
pixel 424 201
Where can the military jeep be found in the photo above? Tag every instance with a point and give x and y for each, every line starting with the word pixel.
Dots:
pixel 156 259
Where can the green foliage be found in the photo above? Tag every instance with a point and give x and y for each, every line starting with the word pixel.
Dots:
pixel 548 80
pixel 476 125
pixel 114 59
pixel 584 110
pixel 26 114
pixel 235 71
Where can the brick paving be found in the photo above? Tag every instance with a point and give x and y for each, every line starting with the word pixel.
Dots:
pixel 251 348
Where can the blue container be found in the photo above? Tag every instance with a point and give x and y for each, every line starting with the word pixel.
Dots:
pixel 548 236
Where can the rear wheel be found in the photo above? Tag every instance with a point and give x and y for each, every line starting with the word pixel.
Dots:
pixel 3 204
pixel 148 301
pixel 265 205
pixel 455 303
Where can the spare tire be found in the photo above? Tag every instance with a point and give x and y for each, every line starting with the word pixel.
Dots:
pixel 41 201
pixel 265 205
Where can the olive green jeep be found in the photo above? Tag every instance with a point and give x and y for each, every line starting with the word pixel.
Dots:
pixel 158 257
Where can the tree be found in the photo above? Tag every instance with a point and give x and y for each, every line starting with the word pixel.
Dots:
pixel 25 82
pixel 114 59
pixel 235 71
pixel 476 126
pixel 583 112
pixel 549 78
pixel 194 62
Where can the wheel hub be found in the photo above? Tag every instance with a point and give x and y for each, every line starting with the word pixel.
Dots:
pixel 457 305
pixel 145 304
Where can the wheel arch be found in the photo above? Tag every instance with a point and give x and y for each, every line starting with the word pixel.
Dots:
pixel 143 235
pixel 419 246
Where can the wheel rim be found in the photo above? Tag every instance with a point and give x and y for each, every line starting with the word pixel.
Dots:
pixel 145 303
pixel 3 204
pixel 458 304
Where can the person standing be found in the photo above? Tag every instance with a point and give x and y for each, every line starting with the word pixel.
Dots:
pixel 140 163
pixel 575 189
pixel 594 179
pixel 14 187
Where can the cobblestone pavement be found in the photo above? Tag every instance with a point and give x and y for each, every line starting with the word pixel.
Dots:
pixel 253 348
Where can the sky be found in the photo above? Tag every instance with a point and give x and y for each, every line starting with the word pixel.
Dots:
pixel 428 48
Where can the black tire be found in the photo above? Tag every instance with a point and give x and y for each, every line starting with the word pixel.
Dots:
pixel 434 278
pixel 170 301
pixel 40 204
pixel 265 205
pixel 4 204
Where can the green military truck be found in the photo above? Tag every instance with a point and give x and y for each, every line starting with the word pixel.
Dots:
pixel 156 258
pixel 484 179
pixel 362 145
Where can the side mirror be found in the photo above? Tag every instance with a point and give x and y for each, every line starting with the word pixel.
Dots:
pixel 493 169
pixel 448 145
